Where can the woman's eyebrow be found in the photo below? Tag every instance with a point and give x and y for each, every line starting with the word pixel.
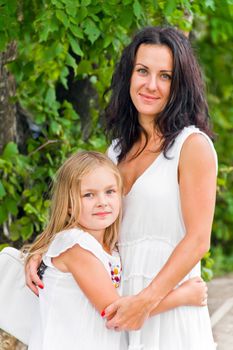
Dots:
pixel 162 70
pixel 140 64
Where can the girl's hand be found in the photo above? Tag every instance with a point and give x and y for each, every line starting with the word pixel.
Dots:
pixel 130 313
pixel 31 276
pixel 193 292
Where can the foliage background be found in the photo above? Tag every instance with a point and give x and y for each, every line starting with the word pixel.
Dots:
pixel 66 52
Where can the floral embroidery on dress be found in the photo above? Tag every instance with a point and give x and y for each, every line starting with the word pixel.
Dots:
pixel 116 270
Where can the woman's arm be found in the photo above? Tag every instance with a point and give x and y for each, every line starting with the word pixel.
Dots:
pixel 90 274
pixel 197 182
pixel 31 277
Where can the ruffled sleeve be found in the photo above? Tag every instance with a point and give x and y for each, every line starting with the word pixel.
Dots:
pixel 67 239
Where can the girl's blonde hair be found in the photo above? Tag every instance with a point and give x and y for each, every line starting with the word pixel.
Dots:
pixel 66 200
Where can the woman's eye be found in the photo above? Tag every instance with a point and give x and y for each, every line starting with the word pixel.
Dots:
pixel 166 76
pixel 142 71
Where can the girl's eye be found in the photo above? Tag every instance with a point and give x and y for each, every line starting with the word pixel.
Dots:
pixel 166 76
pixel 111 191
pixel 88 195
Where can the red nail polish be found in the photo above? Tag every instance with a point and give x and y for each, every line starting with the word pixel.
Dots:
pixel 41 286
pixel 103 313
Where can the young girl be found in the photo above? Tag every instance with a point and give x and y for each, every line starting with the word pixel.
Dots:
pixel 83 268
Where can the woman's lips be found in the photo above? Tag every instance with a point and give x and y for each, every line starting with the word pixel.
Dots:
pixel 148 97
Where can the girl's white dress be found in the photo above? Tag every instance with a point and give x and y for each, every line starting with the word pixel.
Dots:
pixel 67 320
pixel 152 227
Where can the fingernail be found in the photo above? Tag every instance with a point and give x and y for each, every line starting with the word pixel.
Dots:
pixel 41 286
pixel 103 313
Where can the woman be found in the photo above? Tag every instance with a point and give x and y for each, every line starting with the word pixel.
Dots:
pixel 158 117
pixel 158 120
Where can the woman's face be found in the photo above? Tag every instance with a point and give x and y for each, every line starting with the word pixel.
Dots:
pixel 151 80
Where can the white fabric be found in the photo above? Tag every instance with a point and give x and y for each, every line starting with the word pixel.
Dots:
pixel 152 227
pixel 18 305
pixel 67 319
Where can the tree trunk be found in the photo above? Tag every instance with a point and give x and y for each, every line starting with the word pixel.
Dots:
pixel 8 130
pixel 7 342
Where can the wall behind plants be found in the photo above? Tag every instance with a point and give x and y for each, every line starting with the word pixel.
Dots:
pixel 66 52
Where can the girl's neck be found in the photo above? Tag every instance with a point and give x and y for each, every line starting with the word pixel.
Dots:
pixel 97 234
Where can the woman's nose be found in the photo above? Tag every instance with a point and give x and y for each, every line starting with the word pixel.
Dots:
pixel 152 83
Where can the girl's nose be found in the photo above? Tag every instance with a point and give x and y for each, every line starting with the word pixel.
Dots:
pixel 102 201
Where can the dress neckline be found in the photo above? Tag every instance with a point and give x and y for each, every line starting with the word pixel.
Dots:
pixel 154 162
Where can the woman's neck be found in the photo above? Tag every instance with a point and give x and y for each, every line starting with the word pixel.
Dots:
pixel 153 140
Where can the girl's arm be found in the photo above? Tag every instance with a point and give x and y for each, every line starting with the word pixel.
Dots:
pixel 192 292
pixel 90 274
pixel 197 182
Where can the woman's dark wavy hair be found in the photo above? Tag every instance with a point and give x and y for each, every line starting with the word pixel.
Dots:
pixel 186 104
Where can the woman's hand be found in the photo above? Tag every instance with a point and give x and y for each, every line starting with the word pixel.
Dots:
pixel 31 276
pixel 130 313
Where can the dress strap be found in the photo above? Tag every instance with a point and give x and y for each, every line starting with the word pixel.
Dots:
pixel 113 151
pixel 175 150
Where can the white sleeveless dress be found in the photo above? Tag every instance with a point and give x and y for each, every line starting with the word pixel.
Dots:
pixel 67 320
pixel 152 227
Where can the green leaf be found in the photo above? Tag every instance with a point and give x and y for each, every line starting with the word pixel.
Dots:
pixel 15 229
pixel 85 2
pixel 71 9
pixel 10 150
pixel 50 96
pixel 70 61
pixel 126 18
pixel 55 127
pixel 107 41
pixel 170 6
pixel 48 27
pixel 84 67
pixel 3 41
pixel 81 14
pixel 11 206
pixel 61 15
pixel 210 4
pixel 2 190
pixel 3 245
pixel 127 2
pixel 3 214
pixel 76 31
pixel 75 46
pixel 26 231
pixel 137 9
pixel 63 76
pixel 91 30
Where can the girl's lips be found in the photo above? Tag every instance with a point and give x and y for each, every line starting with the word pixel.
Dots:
pixel 101 213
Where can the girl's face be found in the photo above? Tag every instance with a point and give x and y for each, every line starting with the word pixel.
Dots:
pixel 151 80
pixel 100 201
